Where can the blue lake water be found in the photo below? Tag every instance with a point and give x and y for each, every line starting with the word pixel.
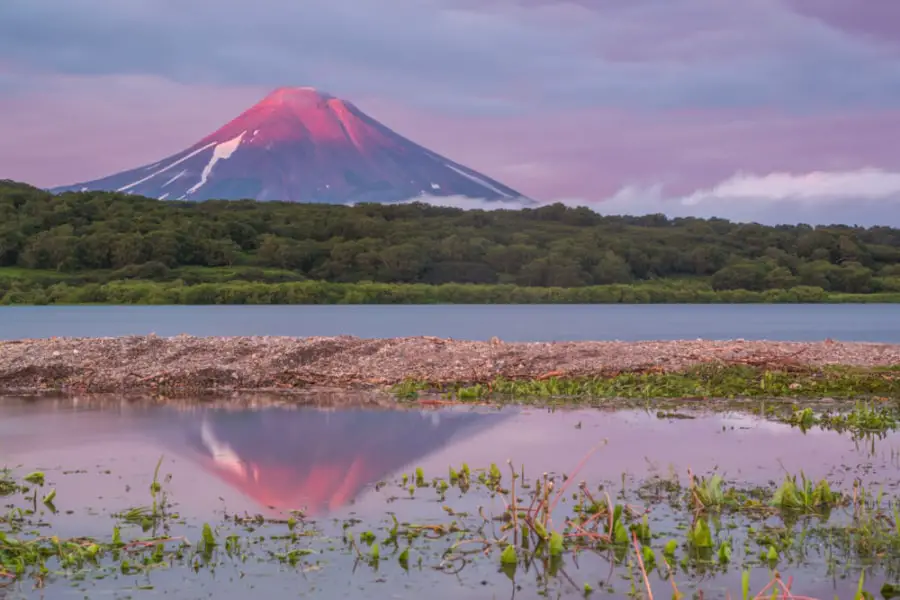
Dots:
pixel 847 322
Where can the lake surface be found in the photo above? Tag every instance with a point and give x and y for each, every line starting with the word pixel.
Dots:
pixel 847 322
pixel 352 470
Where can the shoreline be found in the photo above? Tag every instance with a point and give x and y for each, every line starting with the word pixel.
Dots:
pixel 313 293
pixel 20 287
pixel 192 365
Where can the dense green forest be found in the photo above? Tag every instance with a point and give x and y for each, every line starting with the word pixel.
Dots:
pixel 91 239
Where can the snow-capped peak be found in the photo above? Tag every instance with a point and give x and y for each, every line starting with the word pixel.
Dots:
pixel 304 145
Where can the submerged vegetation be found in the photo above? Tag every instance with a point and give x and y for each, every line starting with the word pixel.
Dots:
pixel 705 381
pixel 96 247
pixel 862 420
pixel 553 533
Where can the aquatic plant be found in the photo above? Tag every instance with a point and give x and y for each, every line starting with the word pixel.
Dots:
pixel 154 515
pixel 702 381
pixel 23 553
pixel 656 533
pixel 805 496
pixel 864 419
pixel 707 493
pixel 8 484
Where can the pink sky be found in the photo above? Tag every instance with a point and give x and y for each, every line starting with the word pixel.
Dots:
pixel 560 100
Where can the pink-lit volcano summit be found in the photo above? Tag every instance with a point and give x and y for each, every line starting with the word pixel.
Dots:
pixel 303 145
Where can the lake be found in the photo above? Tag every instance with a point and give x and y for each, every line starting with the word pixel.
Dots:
pixel 848 322
pixel 362 502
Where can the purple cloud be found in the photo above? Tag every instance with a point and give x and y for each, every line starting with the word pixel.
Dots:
pixel 559 99
pixel 879 19
pixel 650 54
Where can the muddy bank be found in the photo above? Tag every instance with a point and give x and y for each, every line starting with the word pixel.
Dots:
pixel 190 364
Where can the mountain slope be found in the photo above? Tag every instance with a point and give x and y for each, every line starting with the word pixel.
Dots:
pixel 302 145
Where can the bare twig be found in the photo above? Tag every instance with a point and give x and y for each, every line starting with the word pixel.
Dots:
pixel 637 551
pixel 515 512
pixel 675 593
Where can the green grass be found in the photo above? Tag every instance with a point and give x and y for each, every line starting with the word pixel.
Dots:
pixel 19 273
pixel 706 381
pixel 879 298
pixel 224 274
pixel 249 285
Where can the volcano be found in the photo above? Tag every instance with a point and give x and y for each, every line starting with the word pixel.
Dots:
pixel 303 145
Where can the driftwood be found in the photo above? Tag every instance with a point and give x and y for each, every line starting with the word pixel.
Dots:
pixel 150 363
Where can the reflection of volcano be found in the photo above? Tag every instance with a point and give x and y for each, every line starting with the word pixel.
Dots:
pixel 319 460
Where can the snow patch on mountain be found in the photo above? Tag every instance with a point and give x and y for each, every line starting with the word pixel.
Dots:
pixel 477 180
pixel 166 168
pixel 181 174
pixel 222 151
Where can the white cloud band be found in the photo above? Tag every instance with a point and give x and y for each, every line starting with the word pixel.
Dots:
pixel 863 197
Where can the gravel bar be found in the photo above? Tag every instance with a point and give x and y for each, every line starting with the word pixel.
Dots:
pixel 205 364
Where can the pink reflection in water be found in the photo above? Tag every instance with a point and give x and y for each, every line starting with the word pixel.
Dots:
pixel 741 447
pixel 280 458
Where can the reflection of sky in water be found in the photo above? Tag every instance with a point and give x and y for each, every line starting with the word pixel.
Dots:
pixel 325 460
pixel 315 460
pixel 243 460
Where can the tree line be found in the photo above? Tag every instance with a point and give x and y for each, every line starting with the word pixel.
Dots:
pixel 550 246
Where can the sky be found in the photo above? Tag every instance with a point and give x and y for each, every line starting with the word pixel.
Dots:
pixel 762 110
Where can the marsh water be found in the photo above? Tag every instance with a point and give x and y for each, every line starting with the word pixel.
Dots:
pixel 351 470
pixel 846 322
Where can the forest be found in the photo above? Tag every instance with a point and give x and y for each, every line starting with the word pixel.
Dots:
pixel 98 238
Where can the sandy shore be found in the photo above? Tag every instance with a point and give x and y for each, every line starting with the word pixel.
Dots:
pixel 190 364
